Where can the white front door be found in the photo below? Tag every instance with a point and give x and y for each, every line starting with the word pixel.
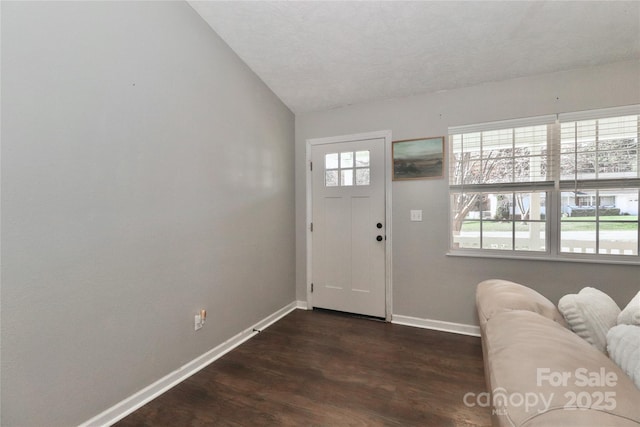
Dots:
pixel 348 217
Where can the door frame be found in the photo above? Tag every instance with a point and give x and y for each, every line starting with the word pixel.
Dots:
pixel 388 280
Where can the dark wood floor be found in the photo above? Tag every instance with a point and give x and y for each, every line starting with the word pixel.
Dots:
pixel 315 368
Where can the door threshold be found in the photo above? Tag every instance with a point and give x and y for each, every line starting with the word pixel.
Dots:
pixel 347 314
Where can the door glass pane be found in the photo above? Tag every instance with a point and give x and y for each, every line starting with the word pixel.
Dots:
pixel 331 178
pixel 362 176
pixel 346 177
pixel 331 161
pixel 346 160
pixel 362 158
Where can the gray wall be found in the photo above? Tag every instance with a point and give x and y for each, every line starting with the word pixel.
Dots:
pixel 426 283
pixel 146 173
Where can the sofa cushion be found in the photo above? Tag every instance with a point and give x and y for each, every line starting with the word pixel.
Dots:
pixel 536 367
pixel 590 313
pixel 496 296
pixel 623 345
pixel 631 313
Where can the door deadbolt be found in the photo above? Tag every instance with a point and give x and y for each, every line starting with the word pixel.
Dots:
pixel 379 225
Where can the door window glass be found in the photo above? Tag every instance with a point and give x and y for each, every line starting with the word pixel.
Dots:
pixel 347 168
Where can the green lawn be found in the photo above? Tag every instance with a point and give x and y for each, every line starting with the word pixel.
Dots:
pixel 585 223
pixel 620 222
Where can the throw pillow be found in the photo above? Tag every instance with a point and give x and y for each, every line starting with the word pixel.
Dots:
pixel 623 344
pixel 631 313
pixel 590 314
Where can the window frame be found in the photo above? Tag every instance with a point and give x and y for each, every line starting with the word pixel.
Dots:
pixel 553 187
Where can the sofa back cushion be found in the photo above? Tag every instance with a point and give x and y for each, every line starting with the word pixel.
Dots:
pixel 497 296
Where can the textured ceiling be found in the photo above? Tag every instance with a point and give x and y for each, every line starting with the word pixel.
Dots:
pixel 324 54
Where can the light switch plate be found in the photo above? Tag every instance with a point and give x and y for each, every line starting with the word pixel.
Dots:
pixel 416 215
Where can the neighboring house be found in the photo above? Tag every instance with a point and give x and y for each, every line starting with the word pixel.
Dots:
pixel 621 202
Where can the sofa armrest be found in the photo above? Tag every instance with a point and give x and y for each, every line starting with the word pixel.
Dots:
pixel 497 296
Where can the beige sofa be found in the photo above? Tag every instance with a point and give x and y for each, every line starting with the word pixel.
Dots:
pixel 540 373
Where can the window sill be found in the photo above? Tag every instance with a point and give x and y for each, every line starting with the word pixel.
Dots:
pixel 545 257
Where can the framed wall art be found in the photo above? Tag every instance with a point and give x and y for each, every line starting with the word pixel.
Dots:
pixel 421 158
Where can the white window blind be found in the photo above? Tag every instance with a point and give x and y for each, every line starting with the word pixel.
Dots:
pixel 503 124
pixel 501 158
pixel 510 180
pixel 602 152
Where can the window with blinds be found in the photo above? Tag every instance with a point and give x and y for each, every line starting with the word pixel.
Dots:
pixel 512 182
pixel 599 185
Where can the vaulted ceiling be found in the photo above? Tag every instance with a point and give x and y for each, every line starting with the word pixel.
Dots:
pixel 319 55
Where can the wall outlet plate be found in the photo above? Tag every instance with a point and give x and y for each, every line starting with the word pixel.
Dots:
pixel 198 323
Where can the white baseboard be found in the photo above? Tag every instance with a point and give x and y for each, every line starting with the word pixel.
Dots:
pixel 437 325
pixel 139 399
pixel 302 305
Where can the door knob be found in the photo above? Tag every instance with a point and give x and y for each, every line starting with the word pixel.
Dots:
pixel 379 238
